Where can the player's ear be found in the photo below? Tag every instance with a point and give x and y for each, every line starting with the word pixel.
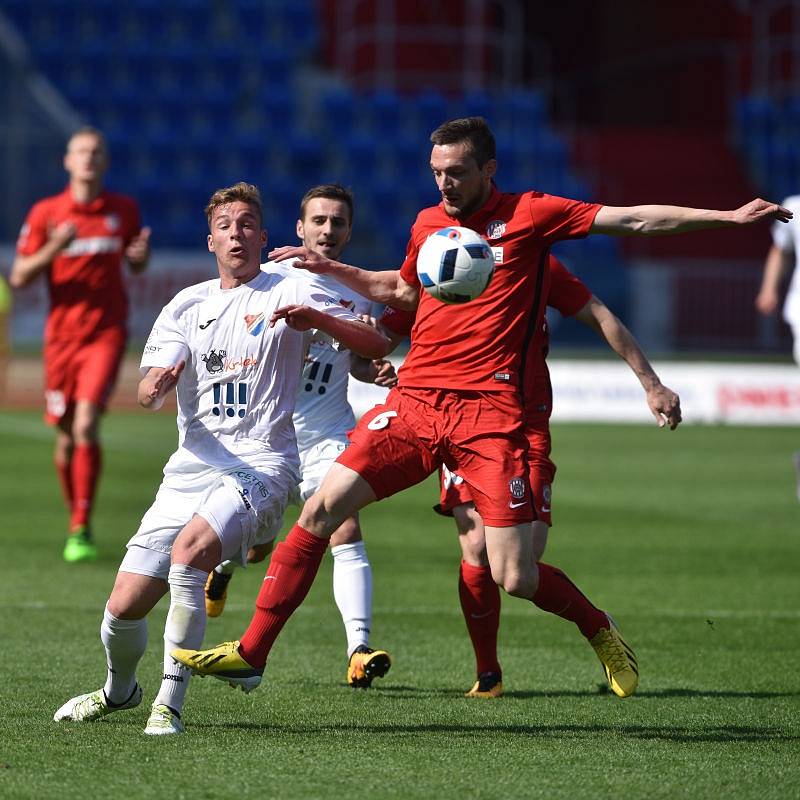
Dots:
pixel 490 168
pixel 264 237
pixel 300 230
pixel 210 244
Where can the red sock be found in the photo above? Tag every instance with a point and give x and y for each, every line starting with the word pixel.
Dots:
pixel 64 472
pixel 85 477
pixel 292 570
pixel 480 603
pixel 560 596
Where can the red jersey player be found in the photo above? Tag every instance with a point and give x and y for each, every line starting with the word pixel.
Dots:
pixel 458 400
pixel 478 593
pixel 79 239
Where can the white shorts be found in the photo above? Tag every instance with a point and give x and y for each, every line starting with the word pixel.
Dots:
pixel 244 507
pixel 315 462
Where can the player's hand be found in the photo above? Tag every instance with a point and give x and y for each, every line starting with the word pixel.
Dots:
pixel 759 209
pixel 298 318
pixel 665 406
pixel 155 385
pixel 63 234
pixel 304 258
pixel 767 301
pixel 385 373
pixel 138 250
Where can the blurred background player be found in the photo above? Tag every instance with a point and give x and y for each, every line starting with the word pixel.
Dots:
pixel 478 593
pixel 457 401
pixel 79 239
pixel 233 348
pixel 781 260
pixel 6 303
pixel 322 419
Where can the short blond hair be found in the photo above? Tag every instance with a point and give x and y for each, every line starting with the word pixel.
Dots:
pixel 239 192
pixel 89 130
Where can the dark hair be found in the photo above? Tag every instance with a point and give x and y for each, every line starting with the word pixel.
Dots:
pixel 330 191
pixel 244 192
pixel 474 132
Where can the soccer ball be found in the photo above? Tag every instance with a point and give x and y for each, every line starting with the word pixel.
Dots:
pixel 455 265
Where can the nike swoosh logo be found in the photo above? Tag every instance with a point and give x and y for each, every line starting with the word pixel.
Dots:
pixel 203 327
pixel 545 509
pixel 482 616
pixel 517 505
pixel 269 578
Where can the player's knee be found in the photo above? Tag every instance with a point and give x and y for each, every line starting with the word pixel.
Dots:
pixel 516 580
pixel 348 532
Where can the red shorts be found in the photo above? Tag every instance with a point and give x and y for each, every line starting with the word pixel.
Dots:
pixel 81 371
pixel 455 491
pixel 478 434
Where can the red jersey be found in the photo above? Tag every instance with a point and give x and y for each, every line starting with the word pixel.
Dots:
pixel 568 295
pixel 87 291
pixel 397 321
pixel 483 347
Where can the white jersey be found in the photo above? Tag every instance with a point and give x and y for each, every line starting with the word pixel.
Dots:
pixel 237 394
pixel 322 410
pixel 786 236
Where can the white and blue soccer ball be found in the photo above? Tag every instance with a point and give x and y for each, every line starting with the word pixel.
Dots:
pixel 455 265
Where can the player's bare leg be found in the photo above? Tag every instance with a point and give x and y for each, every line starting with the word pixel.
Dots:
pixel 196 551
pixel 292 570
pixel 554 592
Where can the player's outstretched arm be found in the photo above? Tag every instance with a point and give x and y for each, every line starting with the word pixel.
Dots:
pixel 26 269
pixel 775 267
pixel 356 336
pixel 653 220
pixel 664 404
pixel 155 385
pixel 137 253
pixel 385 287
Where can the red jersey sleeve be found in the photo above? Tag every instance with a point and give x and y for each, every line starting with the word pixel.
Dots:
pixel 557 218
pixel 35 230
pixel 132 222
pixel 568 293
pixel 408 272
pixel 396 321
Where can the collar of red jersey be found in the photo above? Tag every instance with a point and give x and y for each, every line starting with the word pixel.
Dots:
pixel 94 205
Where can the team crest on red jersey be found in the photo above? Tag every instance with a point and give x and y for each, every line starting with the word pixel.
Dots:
pixel 495 229
pixel 517 487
pixel 112 222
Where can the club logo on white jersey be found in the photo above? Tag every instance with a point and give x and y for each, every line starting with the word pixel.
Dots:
pixel 495 229
pixel 517 488
pixel 326 299
pixel 213 361
pixel 255 323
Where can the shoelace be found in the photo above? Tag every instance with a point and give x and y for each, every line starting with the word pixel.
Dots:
pixel 614 656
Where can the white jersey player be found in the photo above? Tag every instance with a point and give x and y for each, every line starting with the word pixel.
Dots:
pixel 783 258
pixel 322 418
pixel 233 348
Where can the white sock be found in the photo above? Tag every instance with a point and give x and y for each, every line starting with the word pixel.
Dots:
pixel 125 641
pixel 185 628
pixel 352 589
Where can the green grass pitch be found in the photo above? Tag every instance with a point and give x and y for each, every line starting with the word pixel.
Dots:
pixel 691 539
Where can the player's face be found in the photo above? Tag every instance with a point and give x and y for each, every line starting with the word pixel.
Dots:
pixel 86 158
pixel 464 185
pixel 237 239
pixel 326 226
